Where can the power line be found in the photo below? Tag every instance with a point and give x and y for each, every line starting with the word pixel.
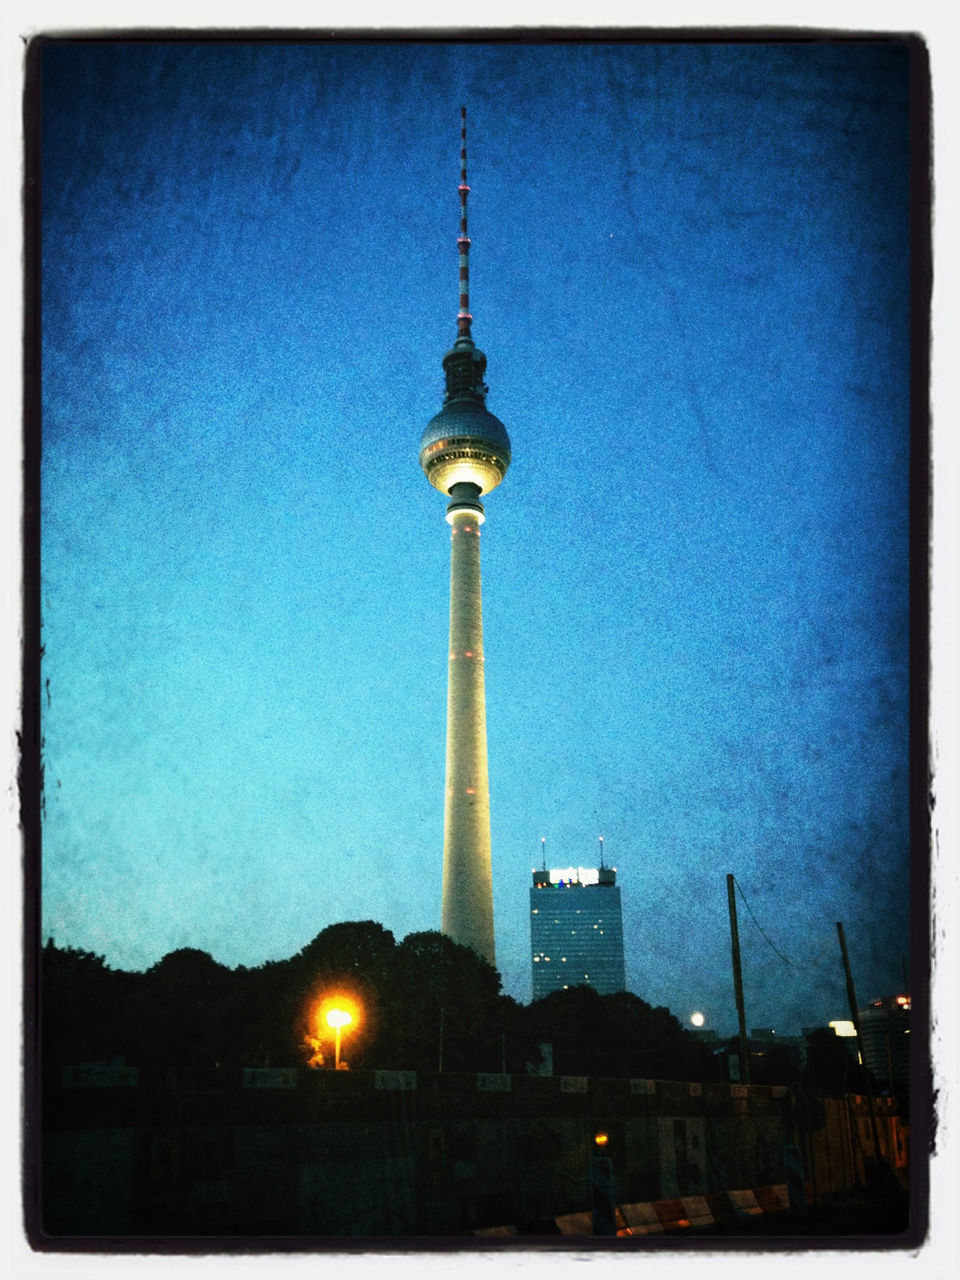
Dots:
pixel 757 923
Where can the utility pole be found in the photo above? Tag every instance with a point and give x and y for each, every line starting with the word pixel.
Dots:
pixel 855 1019
pixel 738 983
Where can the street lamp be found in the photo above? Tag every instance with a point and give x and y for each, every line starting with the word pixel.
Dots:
pixel 604 1212
pixel 338 1019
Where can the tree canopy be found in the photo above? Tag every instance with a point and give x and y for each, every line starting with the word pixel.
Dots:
pixel 423 1004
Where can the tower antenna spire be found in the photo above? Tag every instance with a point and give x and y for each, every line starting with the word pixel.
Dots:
pixel 600 838
pixel 463 240
pixel 543 851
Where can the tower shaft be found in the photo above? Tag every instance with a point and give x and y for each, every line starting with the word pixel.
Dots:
pixel 467 915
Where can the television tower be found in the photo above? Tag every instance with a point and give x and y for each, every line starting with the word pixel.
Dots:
pixel 465 452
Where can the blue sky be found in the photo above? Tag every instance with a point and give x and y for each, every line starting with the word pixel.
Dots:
pixel 690 276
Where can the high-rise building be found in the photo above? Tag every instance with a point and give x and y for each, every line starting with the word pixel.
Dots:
pixel 885 1043
pixel 576 930
pixel 465 452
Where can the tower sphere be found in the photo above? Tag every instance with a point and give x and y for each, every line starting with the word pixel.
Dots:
pixel 465 442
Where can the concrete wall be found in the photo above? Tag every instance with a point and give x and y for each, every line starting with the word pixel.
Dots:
pixel 318 1153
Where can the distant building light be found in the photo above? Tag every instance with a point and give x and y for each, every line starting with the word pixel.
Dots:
pixel 574 875
pixel 843 1027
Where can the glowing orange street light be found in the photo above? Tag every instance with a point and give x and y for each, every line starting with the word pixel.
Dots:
pixel 338 1019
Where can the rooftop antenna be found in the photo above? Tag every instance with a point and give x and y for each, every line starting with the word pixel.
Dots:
pixel 600 838
pixel 463 240
pixel 543 851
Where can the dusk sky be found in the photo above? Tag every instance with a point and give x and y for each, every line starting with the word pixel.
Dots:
pixel 690 276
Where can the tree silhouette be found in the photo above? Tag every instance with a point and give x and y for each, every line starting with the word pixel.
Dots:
pixel 79 1019
pixel 185 1011
pixel 615 1035
pixel 442 1007
pixel 422 1004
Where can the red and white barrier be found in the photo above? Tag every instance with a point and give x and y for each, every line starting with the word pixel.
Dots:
pixel 684 1213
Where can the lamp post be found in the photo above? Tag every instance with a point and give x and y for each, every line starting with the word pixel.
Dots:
pixel 604 1212
pixel 337 1019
